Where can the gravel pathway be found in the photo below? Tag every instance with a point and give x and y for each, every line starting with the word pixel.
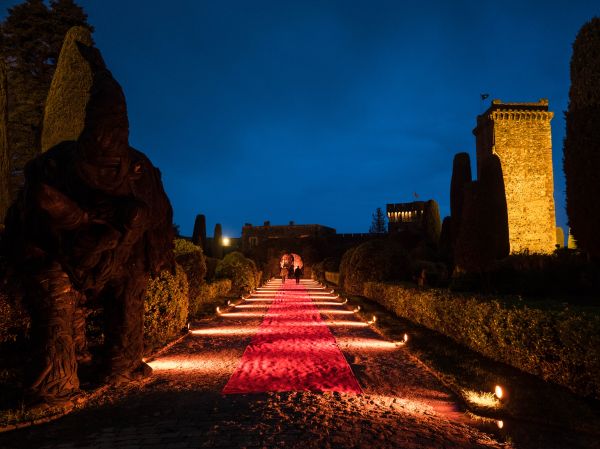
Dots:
pixel 402 405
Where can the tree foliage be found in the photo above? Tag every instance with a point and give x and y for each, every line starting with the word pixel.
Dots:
pixel 483 233
pixel 217 246
pixel 378 222
pixel 242 272
pixel 4 158
pixel 582 141
pixel 199 233
pixel 374 260
pixel 461 176
pixel 432 223
pixel 31 38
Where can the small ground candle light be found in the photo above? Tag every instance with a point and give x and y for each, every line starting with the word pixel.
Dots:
pixel 218 309
pixel 228 302
pixel 500 424
pixel 498 392
pixel 373 319
pixel 405 338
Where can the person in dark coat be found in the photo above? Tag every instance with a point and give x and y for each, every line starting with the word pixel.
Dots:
pixel 298 274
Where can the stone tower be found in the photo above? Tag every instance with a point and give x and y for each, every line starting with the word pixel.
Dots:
pixel 520 134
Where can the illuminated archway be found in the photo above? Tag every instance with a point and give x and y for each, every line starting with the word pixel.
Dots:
pixel 291 259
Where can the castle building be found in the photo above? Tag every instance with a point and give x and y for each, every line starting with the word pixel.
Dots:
pixel 405 216
pixel 520 134
pixel 253 236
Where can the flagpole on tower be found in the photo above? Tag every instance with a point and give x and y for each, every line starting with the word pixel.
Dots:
pixel 483 98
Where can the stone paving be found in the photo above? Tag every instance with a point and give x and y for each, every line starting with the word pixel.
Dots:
pixel 181 406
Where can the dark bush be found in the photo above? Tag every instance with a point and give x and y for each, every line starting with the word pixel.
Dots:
pixel 375 260
pixel 344 266
pixel 565 274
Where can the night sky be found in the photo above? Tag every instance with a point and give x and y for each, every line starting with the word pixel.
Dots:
pixel 322 111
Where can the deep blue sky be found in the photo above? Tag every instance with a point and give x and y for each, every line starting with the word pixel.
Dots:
pixel 321 111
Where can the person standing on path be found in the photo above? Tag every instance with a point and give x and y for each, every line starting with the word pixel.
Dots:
pixel 283 274
pixel 297 274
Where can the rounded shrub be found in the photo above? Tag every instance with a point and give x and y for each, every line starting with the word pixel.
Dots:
pixel 240 270
pixel 165 308
pixel 191 259
pixel 375 260
pixel 344 265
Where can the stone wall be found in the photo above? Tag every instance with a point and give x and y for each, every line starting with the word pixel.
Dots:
pixel 520 134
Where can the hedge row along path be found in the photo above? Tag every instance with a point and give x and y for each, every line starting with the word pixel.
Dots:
pixel 346 387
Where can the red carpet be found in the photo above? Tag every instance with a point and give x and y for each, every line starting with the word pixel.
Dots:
pixel 293 350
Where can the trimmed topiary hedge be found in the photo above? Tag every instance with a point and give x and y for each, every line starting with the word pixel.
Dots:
pixel 242 272
pixel 333 277
pixel 559 345
pixel 191 259
pixel 209 295
pixel 165 308
pixel 374 260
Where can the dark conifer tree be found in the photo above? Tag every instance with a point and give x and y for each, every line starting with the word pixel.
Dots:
pixel 4 159
pixel 582 141
pixel 461 176
pixel 378 222
pixel 30 41
pixel 199 233
pixel 218 242
pixel 432 222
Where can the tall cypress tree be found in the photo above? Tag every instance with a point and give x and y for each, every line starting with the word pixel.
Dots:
pixel 432 223
pixel 461 176
pixel 582 141
pixel 4 161
pixel 199 233
pixel 30 41
pixel 217 242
